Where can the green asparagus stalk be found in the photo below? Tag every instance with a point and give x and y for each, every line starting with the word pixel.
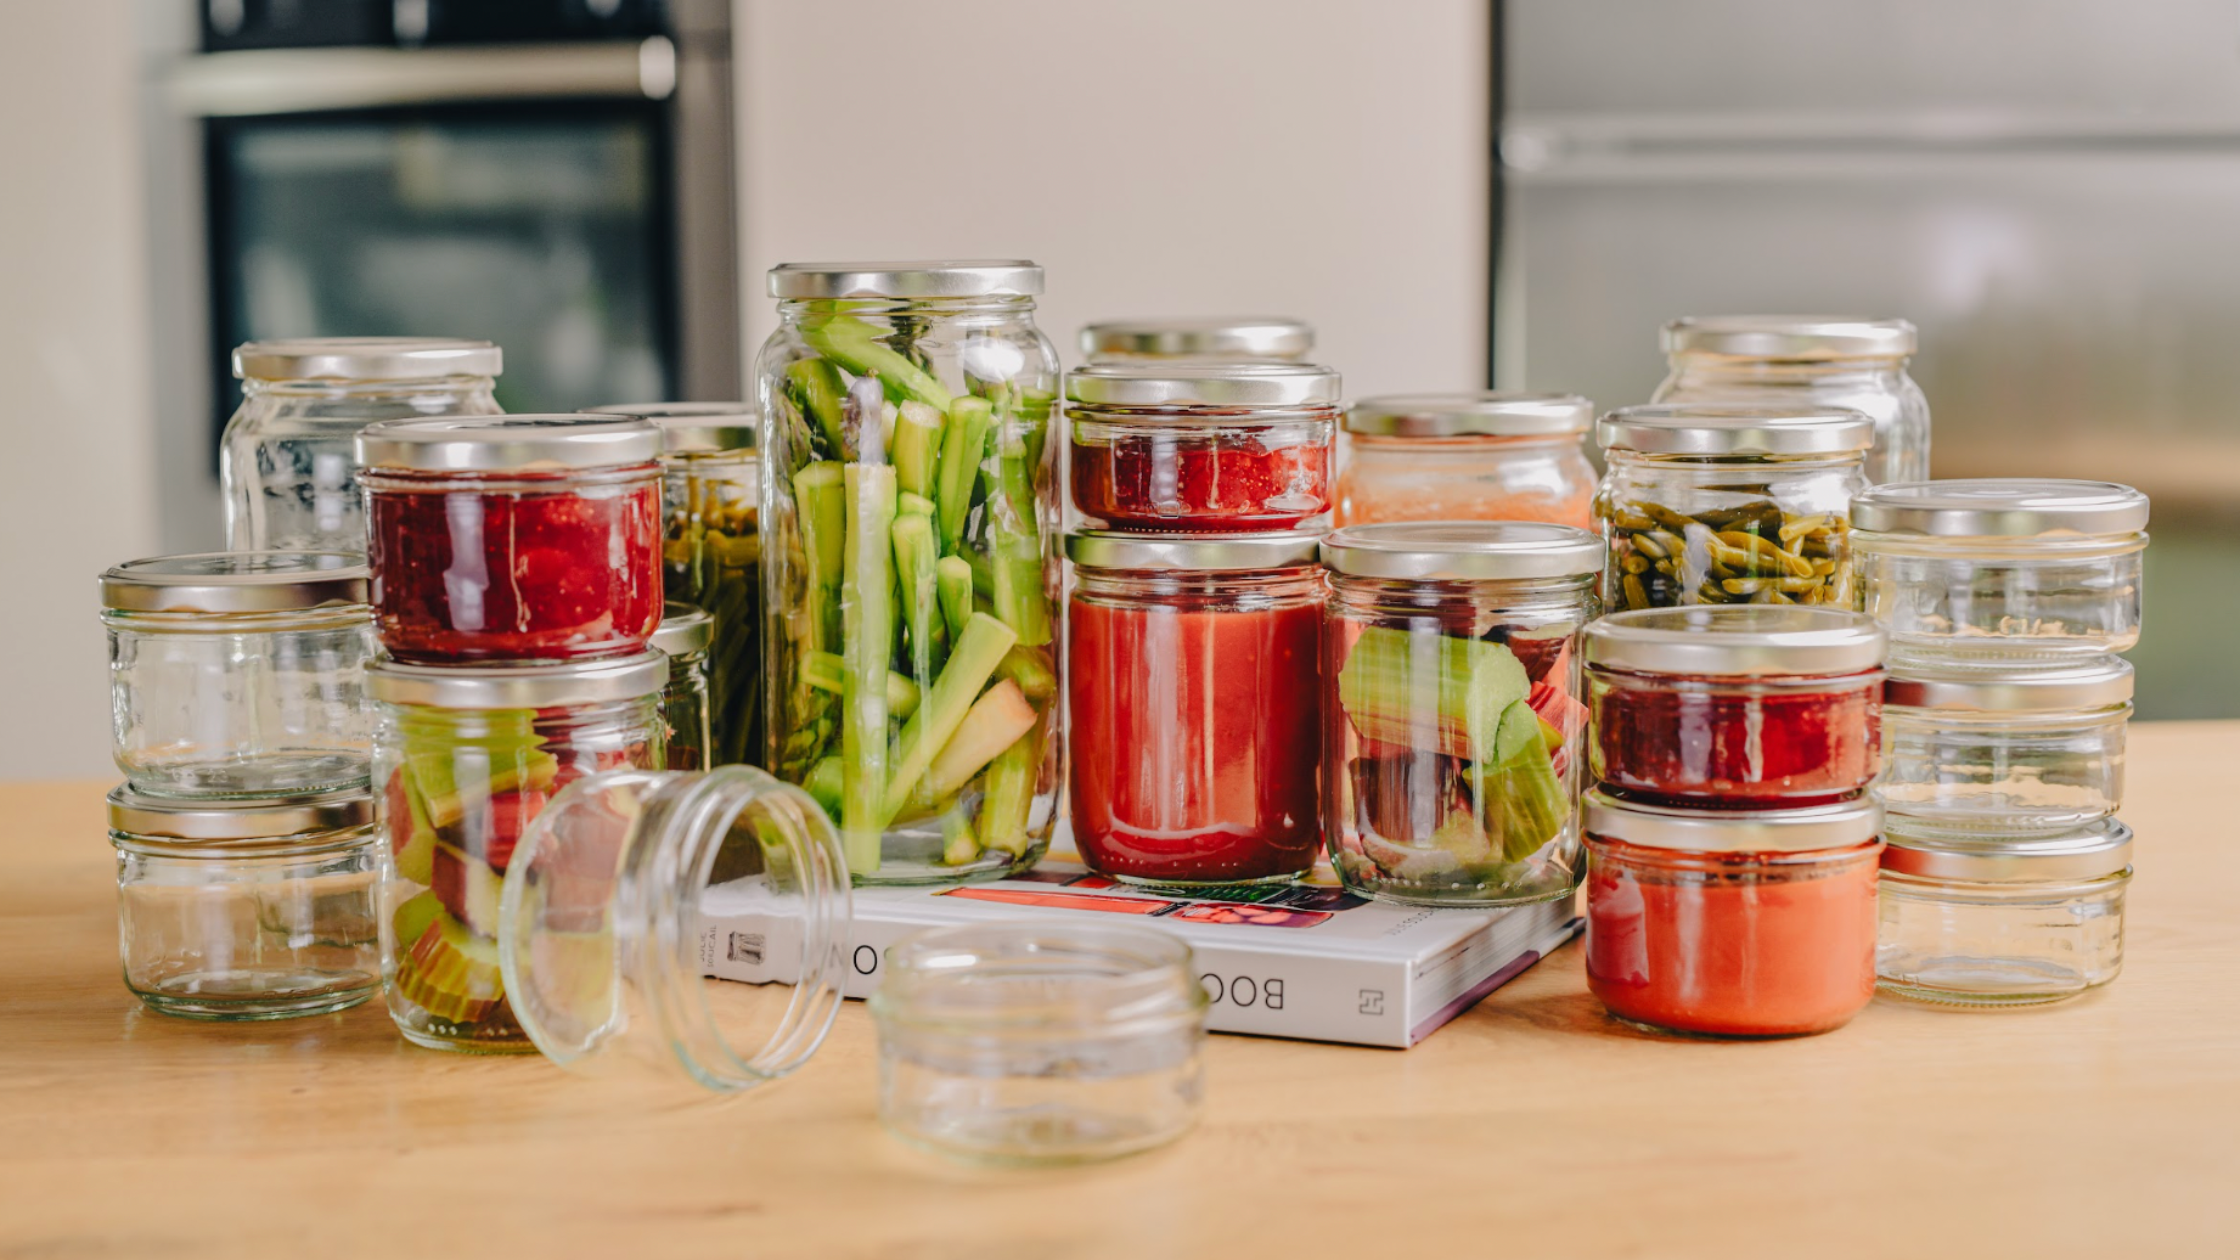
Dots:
pixel 867 635
pixel 917 448
pixel 997 720
pixel 979 649
pixel 1009 797
pixel 908 504
pixel 915 555
pixel 855 345
pixel 959 846
pixel 1015 537
pixel 1030 669
pixel 825 782
pixel 820 502
pixel 826 672
pixel 821 391
pixel 964 442
pixel 953 578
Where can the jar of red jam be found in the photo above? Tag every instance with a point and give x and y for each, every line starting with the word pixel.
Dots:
pixel 514 538
pixel 1202 446
pixel 1757 704
pixel 1732 923
pixel 1193 680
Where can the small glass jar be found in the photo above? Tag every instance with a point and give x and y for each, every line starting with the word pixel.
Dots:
pixel 239 674
pixel 1809 361
pixel 1215 339
pixel 466 757
pixel 1194 688
pixel 1731 923
pixel 1202 446
pixel 684 637
pixel 1468 457
pixel 2002 566
pixel 1026 1043
pixel 520 538
pixel 1729 505
pixel 1753 704
pixel 247 909
pixel 1450 700
pixel 2005 747
pixel 2022 921
pixel 288 461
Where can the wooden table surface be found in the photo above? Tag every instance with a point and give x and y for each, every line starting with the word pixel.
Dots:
pixel 1532 1126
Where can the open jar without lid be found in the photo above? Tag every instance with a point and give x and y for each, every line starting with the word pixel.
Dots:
pixel 2004 746
pixel 1488 456
pixel 1202 446
pixel 1220 339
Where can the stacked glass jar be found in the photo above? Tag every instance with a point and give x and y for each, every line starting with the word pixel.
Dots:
pixel 1495 456
pixel 2006 601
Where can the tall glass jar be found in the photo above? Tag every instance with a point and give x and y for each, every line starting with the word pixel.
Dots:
pixel 1201 446
pixel 1810 361
pixel 911 570
pixel 1451 745
pixel 287 461
pixel 684 637
pixel 1729 504
pixel 1217 339
pixel 1467 457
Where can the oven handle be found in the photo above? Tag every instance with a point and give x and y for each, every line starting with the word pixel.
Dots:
pixel 304 80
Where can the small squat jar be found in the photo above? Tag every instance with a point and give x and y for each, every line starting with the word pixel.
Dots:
pixel 1213 339
pixel 1475 457
pixel 1193 673
pixel 2006 747
pixel 1190 447
pixel 247 909
pixel 684 637
pixel 1731 923
pixel 1451 745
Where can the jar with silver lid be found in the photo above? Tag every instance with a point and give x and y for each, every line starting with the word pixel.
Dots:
pixel 287 459
pixel 1495 456
pixel 1185 447
pixel 1220 339
pixel 2005 747
pixel 239 674
pixel 1808 361
pixel 683 637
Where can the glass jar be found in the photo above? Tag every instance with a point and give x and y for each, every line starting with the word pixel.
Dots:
pixel 908 596
pixel 1217 339
pixel 2022 921
pixel 684 637
pixel 2002 566
pixel 1201 446
pixel 288 460
pixel 1731 923
pixel 1808 361
pixel 1729 505
pixel 1468 457
pixel 1193 667
pixel 247 909
pixel 466 757
pixel 1992 747
pixel 1450 700
pixel 1026 1043
pixel 239 674
pixel 521 538
pixel 1752 704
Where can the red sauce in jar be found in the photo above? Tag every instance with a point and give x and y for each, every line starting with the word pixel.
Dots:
pixel 1795 741
pixel 1206 479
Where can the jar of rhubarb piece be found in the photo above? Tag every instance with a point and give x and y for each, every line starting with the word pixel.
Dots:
pixel 2006 746
pixel 912 569
pixel 514 538
pixel 684 637
pixel 2012 922
pixel 1193 668
pixel 2002 566
pixel 1451 755
pixel 1468 457
pixel 1729 504
pixel 239 673
pixel 1753 704
pixel 1808 361
pixel 288 459
pixel 1215 339
pixel 1732 923
pixel 1188 447
pixel 247 909
pixel 466 756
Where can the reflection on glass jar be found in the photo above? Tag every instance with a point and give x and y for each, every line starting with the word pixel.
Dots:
pixel 1202 446
pixel 2005 745
pixel 1467 457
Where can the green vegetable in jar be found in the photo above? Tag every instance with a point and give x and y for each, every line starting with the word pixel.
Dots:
pixel 1754 553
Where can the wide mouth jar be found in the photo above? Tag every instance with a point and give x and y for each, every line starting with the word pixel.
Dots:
pixel 1218 339
pixel 1489 455
pixel 1998 746
pixel 1207 446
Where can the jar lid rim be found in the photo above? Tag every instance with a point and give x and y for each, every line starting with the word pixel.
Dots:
pixel 1735 640
pixel 365 358
pixel 508 443
pixel 1245 337
pixel 537 685
pixel 684 628
pixel 1802 830
pixel 2001 686
pixel 1200 384
pixel 694 428
pixel 2098 848
pixel 1180 552
pixel 1489 413
pixel 2000 507
pixel 1463 551
pixel 237 582
pixel 937 278
pixel 1792 337
pixel 215 821
pixel 1729 429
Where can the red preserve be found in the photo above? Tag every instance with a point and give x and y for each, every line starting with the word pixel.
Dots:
pixel 1196 713
pixel 1202 446
pixel 513 538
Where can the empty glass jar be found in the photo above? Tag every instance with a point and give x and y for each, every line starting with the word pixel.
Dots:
pixel 1220 339
pixel 2005 746
pixel 1467 457
pixel 684 637
pixel 1202 446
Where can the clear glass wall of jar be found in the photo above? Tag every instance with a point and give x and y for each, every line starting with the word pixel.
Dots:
pixel 466 757
pixel 287 460
pixel 1450 696
pixel 684 637
pixel 1213 339
pixel 239 674
pixel 1467 457
pixel 2006 746
pixel 1194 674
pixel 1809 361
pixel 1729 505
pixel 884 670
pixel 1201 446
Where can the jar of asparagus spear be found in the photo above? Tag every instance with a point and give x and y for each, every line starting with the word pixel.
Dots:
pixel 1705 504
pixel 909 562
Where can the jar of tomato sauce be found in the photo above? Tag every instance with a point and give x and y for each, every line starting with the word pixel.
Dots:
pixel 1192 675
pixel 1202 446
pixel 1497 456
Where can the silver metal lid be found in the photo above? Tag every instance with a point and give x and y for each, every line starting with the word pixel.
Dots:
pixel 2006 687
pixel 507 443
pixel 694 428
pixel 1116 549
pixel 1793 337
pixel 1735 640
pixel 2000 507
pixel 1490 413
pixel 683 629
pixel 365 359
pixel 945 278
pixel 2098 848
pixel 1174 385
pixel 1234 338
pixel 1463 551
pixel 237 822
pixel 1805 830
pixel 517 686
pixel 1721 429
pixel 238 582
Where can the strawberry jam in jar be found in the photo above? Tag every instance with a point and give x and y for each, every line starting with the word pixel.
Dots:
pixel 1195 447
pixel 513 538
